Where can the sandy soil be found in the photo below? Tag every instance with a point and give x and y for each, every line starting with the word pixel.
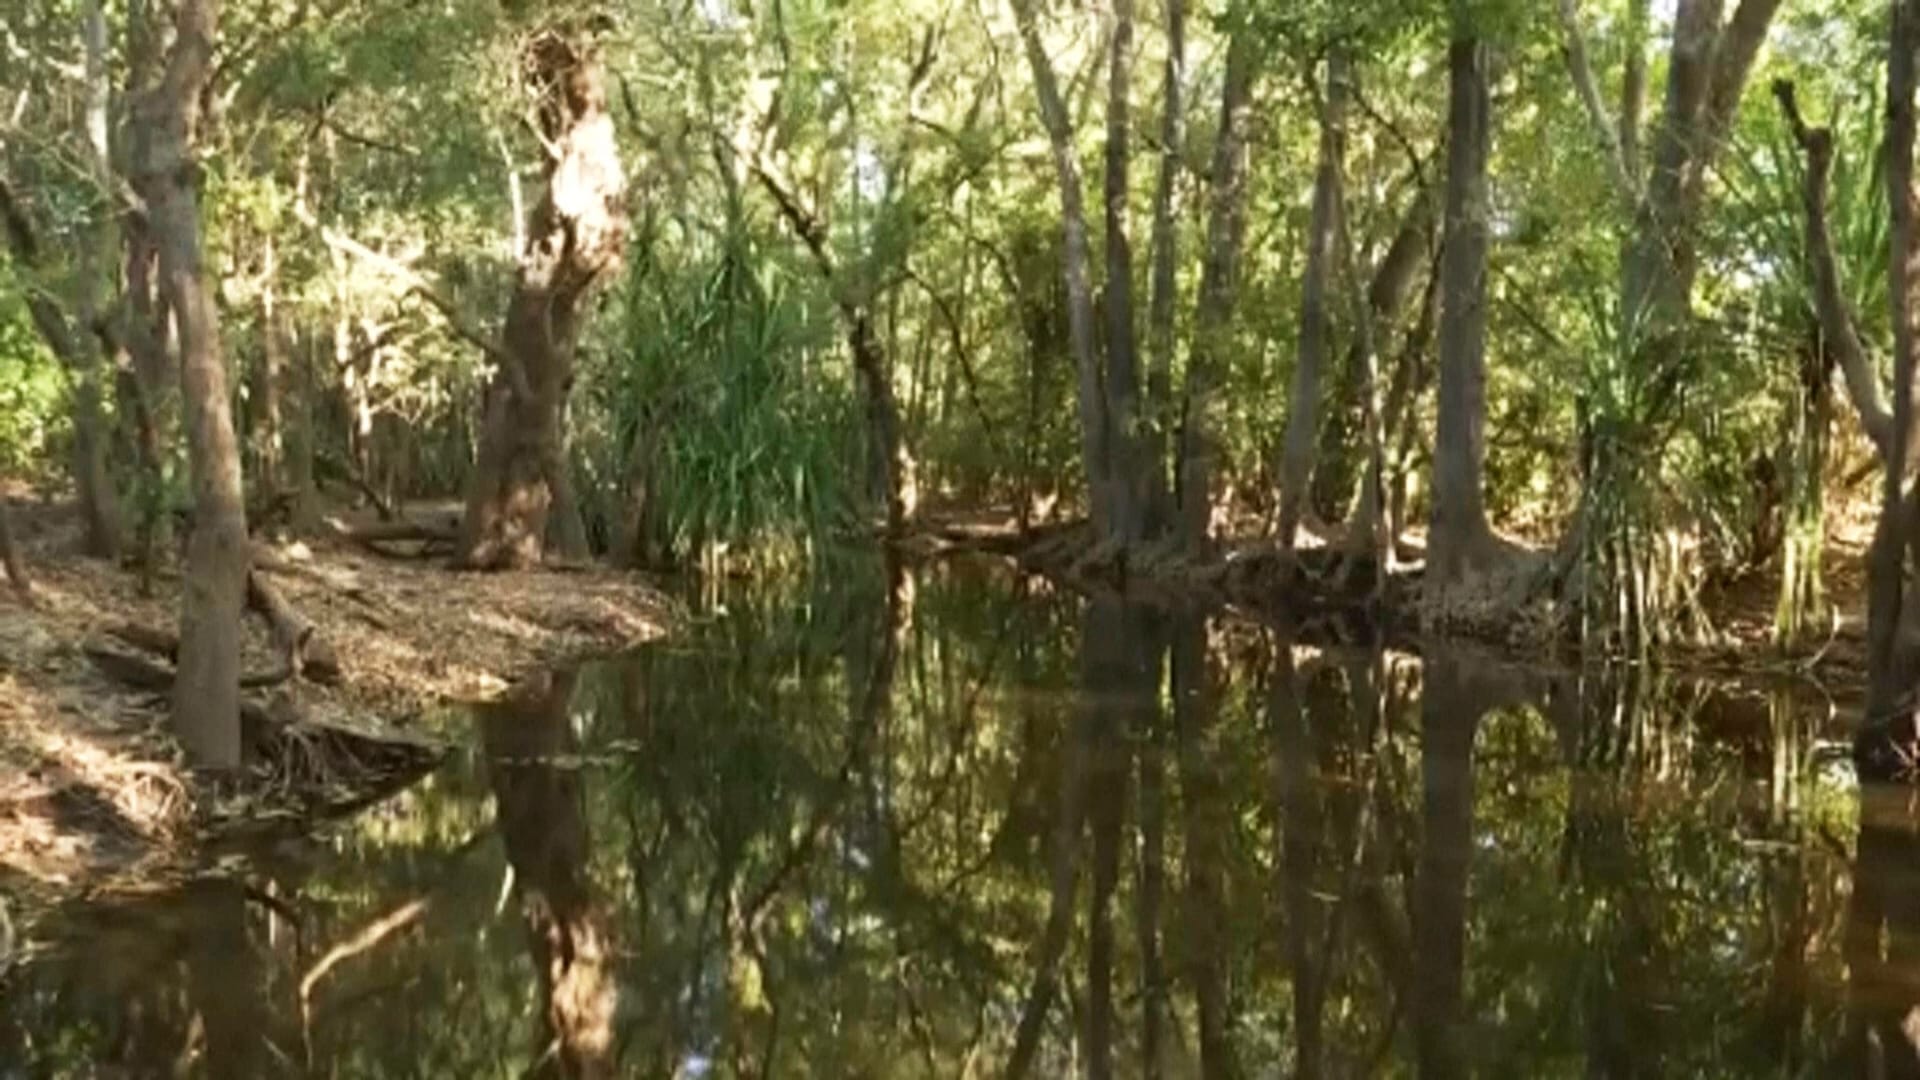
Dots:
pixel 93 791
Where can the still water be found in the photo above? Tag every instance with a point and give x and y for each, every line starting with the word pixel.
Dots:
pixel 964 826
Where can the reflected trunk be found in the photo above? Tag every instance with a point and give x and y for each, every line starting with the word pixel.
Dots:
pixel 541 813
pixel 1882 945
pixel 1449 715
pixel 1208 821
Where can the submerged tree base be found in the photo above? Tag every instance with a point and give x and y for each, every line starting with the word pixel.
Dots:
pixel 1507 601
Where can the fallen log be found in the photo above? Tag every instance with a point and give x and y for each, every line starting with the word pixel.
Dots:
pixel 303 653
pixel 148 639
pixel 141 673
pixel 431 536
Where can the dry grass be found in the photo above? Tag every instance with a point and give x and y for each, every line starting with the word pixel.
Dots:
pixel 92 788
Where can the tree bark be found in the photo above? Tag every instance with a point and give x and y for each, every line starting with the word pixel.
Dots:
pixel 268 426
pixel 99 502
pixel 206 695
pixel 1459 534
pixel 575 240
pixel 1316 320
pixel 1095 425
pixel 1889 667
pixel 1131 487
pixel 1219 280
pixel 10 559
pixel 1164 280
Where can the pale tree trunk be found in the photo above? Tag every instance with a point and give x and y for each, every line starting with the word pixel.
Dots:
pixel 1096 444
pixel 99 503
pixel 575 240
pixel 1164 281
pixel 1316 321
pixel 206 696
pixel 1126 444
pixel 1219 280
pixel 269 377
pixel 1458 531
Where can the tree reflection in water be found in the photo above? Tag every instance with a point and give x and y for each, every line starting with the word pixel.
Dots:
pixel 533 765
pixel 944 824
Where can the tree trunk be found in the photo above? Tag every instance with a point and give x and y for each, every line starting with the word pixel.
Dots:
pixel 1459 534
pixel 91 483
pixel 99 502
pixel 143 327
pixel 576 238
pixel 1127 445
pixel 1890 665
pixel 1213 310
pixel 10 559
pixel 268 428
pixel 206 698
pixel 1164 284
pixel 1316 322
pixel 1096 443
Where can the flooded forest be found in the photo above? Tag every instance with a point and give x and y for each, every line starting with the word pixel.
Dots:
pixel 960 538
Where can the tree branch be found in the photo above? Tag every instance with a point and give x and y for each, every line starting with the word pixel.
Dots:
pixel 1574 49
pixel 1837 323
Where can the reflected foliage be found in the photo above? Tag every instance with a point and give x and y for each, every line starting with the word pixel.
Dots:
pixel 943 824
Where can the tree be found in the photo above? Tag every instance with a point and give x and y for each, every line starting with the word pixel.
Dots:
pixel 206 693
pixel 1459 540
pixel 575 240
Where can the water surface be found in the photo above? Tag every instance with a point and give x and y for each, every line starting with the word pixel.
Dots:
pixel 964 826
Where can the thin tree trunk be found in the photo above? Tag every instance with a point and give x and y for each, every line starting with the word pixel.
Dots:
pixel 1164 285
pixel 1213 310
pixel 1095 425
pixel 99 502
pixel 1316 321
pixel 206 698
pixel 1459 534
pixel 268 427
pixel 1131 488
pixel 575 241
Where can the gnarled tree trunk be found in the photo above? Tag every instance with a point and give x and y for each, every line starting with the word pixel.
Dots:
pixel 575 238
pixel 206 694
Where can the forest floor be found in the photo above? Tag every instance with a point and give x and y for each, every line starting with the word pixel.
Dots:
pixel 94 794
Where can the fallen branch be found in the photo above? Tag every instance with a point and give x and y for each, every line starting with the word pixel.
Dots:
pixel 141 673
pixel 304 654
pixel 373 534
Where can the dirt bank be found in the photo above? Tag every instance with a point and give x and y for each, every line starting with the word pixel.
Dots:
pixel 93 792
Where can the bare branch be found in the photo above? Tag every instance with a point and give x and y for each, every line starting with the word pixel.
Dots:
pixel 1836 316
pixel 1574 49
